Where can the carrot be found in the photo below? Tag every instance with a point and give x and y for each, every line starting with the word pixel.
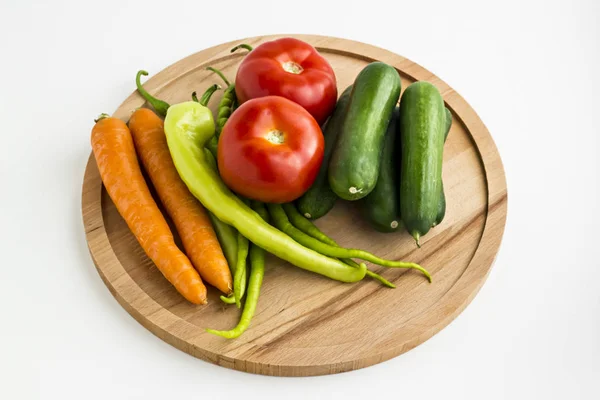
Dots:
pixel 119 169
pixel 190 218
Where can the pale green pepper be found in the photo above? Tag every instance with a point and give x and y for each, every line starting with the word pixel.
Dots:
pixel 188 127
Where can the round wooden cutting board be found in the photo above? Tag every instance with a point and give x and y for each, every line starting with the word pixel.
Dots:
pixel 307 324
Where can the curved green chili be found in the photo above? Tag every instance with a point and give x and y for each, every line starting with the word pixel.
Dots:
pixel 227 104
pixel 227 235
pixel 238 266
pixel 207 95
pixel 242 46
pixel 228 238
pixel 213 147
pixel 281 221
pixel 228 299
pixel 188 128
pixel 306 226
pixel 257 272
pixel 370 274
pixel 159 106
pixel 239 280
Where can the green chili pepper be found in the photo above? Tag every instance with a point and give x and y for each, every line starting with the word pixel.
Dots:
pixel 207 95
pixel 234 242
pixel 257 272
pixel 370 274
pixel 227 104
pixel 242 46
pixel 226 107
pixel 159 106
pixel 306 226
pixel 229 101
pixel 238 269
pixel 228 299
pixel 188 126
pixel 239 279
pixel 228 239
pixel 228 236
pixel 281 221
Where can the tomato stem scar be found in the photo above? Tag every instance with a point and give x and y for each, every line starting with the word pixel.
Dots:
pixel 292 67
pixel 276 136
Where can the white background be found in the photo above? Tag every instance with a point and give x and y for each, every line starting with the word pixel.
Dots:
pixel 529 68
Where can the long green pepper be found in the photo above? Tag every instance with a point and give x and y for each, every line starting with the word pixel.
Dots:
pixel 159 106
pixel 230 240
pixel 226 234
pixel 240 277
pixel 305 225
pixel 282 222
pixel 257 272
pixel 188 127
pixel 227 104
pixel 238 268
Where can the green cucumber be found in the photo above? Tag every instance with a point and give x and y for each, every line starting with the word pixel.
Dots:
pixel 422 123
pixel 441 213
pixel 354 165
pixel 381 207
pixel 320 199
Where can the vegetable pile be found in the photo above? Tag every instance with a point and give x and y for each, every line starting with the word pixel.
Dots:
pixel 252 179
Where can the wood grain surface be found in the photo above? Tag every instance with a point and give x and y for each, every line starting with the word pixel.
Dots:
pixel 307 324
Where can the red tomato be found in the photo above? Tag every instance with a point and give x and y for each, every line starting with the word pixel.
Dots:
pixel 270 150
pixel 292 69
